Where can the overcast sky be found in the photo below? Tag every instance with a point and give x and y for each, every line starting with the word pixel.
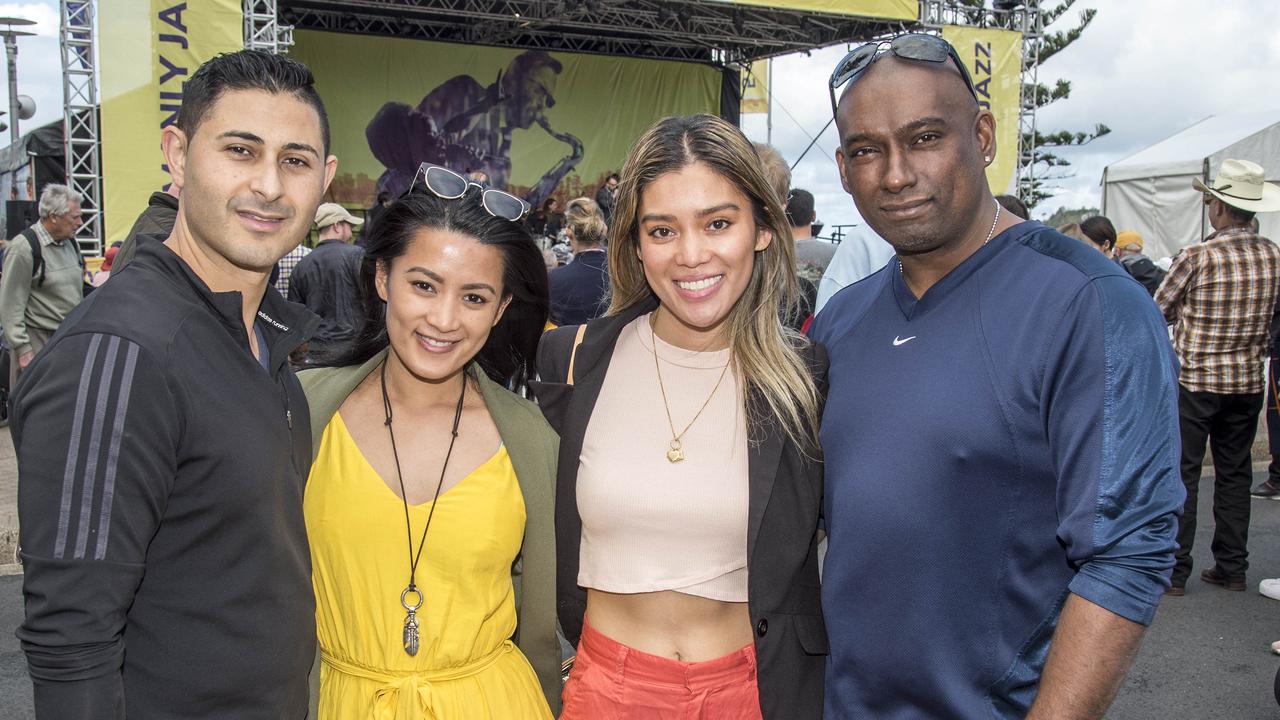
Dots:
pixel 1144 68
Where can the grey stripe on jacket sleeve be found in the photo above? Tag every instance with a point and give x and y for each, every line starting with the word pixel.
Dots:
pixel 93 457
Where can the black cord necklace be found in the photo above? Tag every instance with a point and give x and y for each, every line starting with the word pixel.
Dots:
pixel 410 636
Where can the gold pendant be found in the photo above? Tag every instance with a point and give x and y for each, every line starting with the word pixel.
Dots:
pixel 675 454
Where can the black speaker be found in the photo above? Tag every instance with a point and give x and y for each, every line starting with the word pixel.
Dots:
pixel 18 216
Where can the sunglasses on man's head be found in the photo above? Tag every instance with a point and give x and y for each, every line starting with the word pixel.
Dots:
pixel 912 46
pixel 449 185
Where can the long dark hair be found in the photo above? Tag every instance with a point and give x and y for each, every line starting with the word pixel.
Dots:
pixel 509 354
pixel 1100 231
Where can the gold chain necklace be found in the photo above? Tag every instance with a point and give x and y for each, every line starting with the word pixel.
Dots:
pixel 676 453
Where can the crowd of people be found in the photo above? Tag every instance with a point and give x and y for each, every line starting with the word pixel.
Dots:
pixel 948 468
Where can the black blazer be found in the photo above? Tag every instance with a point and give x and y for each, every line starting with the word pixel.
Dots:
pixel 785 500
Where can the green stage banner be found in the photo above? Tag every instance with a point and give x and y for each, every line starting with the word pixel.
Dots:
pixel 538 124
pixel 888 9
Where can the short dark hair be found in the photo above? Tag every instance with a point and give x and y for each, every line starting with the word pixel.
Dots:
pixel 1013 205
pixel 800 208
pixel 613 176
pixel 248 70
pixel 1100 231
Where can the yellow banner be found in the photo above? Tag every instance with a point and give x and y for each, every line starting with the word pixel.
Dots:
pixel 537 124
pixel 994 59
pixel 755 87
pixel 889 9
pixel 149 48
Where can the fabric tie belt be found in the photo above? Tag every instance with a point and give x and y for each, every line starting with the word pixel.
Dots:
pixel 408 696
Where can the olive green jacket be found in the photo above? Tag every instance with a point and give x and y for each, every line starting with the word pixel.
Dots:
pixel 533 447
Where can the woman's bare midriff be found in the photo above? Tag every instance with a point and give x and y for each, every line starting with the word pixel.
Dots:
pixel 671 624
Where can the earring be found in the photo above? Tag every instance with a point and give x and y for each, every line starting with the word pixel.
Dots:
pixel 986 158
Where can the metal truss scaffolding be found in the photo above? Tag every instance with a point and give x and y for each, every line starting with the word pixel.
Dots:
pixel 1024 17
pixel 262 30
pixel 80 117
pixel 688 30
pixel 1032 36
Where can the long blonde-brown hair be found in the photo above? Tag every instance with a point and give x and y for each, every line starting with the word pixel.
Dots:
pixel 763 351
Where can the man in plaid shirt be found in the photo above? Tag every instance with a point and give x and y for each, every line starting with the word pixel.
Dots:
pixel 1220 296
pixel 287 264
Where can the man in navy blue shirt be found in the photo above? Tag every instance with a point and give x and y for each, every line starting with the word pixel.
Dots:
pixel 1000 435
pixel 580 290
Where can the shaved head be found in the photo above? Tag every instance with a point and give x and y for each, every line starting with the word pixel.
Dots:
pixel 914 147
pixel 889 64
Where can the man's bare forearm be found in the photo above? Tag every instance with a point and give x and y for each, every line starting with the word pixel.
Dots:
pixel 1091 652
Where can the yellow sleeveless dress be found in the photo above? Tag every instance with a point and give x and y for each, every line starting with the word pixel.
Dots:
pixel 466 668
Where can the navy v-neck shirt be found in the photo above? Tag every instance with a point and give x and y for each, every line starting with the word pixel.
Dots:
pixel 1007 438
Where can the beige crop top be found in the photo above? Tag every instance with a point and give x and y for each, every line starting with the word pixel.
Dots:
pixel 649 524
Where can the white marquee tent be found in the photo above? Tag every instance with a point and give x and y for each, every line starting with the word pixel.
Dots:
pixel 1151 191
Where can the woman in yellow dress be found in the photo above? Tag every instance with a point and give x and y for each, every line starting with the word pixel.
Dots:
pixel 429 503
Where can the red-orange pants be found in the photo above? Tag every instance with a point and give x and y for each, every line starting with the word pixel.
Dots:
pixel 611 681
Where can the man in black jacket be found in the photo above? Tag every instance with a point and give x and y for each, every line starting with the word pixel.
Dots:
pixel 327 281
pixel 163 442
pixel 1129 254
pixel 157 219
pixel 607 196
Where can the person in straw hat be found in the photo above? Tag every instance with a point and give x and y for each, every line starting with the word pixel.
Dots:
pixel 1219 297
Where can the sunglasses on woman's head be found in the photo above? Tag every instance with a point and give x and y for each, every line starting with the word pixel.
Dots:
pixel 449 185
pixel 912 46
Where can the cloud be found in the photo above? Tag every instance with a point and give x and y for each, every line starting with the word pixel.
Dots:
pixel 39 63
pixel 1144 68
pixel 802 108
pixel 1150 69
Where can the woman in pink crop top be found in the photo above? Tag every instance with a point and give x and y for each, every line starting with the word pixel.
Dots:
pixel 689 484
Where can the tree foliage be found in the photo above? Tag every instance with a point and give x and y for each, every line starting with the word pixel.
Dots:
pixel 1065 216
pixel 1048 167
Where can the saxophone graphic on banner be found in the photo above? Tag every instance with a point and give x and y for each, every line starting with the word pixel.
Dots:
pixel 539 124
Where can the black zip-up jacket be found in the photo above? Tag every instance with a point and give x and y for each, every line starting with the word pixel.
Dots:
pixel 160 479
pixel 157 219
pixel 327 281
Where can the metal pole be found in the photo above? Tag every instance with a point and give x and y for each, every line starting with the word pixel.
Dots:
pixel 768 118
pixel 811 144
pixel 11 50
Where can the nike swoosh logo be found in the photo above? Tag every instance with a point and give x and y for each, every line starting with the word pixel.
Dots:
pixel 899 341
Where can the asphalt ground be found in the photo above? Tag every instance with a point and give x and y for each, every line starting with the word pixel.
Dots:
pixel 1206 656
